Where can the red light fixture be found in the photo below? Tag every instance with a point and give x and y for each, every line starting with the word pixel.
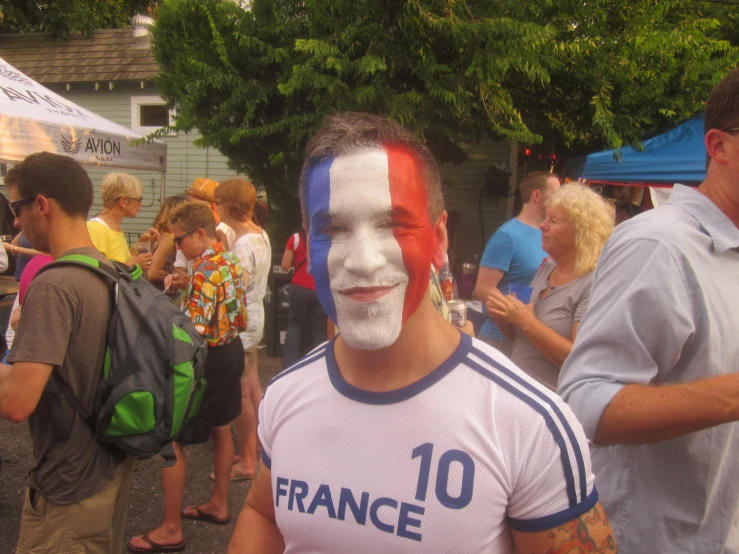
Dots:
pixel 523 156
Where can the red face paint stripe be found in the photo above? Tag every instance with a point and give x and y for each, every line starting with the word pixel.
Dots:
pixel 414 232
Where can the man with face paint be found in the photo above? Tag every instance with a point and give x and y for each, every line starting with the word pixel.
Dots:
pixel 402 434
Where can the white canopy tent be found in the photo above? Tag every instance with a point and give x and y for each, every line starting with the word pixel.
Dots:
pixel 35 119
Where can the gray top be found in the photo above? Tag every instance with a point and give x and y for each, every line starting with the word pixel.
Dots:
pixel 560 310
pixel 663 310
pixel 64 323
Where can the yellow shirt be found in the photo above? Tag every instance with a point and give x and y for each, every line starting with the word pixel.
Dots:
pixel 111 243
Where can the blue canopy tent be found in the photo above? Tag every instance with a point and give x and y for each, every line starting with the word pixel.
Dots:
pixel 677 156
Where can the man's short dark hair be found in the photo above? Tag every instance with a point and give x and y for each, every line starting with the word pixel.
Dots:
pixel 536 180
pixel 344 133
pixel 722 106
pixel 54 176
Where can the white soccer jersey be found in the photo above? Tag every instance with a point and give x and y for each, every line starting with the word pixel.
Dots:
pixel 446 465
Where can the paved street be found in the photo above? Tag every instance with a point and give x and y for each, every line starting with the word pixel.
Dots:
pixel 146 501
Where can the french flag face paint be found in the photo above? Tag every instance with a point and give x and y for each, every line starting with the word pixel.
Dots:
pixel 371 242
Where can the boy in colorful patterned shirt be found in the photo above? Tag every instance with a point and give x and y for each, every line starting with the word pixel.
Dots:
pixel 214 299
pixel 216 305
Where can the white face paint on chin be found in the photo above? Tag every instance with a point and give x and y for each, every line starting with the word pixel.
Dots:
pixel 367 274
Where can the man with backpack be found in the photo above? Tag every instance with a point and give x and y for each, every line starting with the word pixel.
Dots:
pixel 77 493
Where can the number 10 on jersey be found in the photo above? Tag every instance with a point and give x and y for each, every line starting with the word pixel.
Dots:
pixel 426 453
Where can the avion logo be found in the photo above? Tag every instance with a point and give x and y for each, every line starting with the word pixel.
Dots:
pixel 70 145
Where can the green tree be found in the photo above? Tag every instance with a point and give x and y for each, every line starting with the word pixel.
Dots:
pixel 257 83
pixel 63 17
pixel 629 69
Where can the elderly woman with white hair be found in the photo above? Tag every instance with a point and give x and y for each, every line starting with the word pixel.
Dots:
pixel 577 225
pixel 122 195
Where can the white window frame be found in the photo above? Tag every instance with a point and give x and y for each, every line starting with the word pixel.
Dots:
pixel 137 102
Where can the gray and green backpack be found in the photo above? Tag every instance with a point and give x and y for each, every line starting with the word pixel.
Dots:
pixel 152 378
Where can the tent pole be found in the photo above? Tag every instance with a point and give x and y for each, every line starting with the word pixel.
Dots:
pixel 161 187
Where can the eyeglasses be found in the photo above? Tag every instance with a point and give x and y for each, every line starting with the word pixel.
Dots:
pixel 18 204
pixel 732 131
pixel 178 240
pixel 139 199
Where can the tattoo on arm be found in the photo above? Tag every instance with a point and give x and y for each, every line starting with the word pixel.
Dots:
pixel 584 535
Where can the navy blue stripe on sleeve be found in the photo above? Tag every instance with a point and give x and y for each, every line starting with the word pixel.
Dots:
pixel 555 520
pixel 558 438
pixel 553 405
pixel 266 460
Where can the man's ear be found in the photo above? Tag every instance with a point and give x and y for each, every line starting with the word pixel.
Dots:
pixel 714 141
pixel 536 196
pixel 43 205
pixel 441 242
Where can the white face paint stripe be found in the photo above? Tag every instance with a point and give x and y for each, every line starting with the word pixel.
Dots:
pixel 352 178
pixel 365 253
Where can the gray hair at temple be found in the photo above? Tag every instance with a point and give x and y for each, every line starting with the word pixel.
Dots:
pixel 347 132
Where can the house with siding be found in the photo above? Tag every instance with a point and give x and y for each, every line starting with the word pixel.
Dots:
pixel 112 75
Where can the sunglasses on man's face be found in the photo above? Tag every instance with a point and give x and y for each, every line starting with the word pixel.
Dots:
pixel 18 204
pixel 178 240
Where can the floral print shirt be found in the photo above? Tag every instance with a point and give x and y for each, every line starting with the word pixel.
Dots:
pixel 214 299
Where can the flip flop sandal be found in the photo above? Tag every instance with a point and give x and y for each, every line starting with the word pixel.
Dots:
pixel 202 516
pixel 155 546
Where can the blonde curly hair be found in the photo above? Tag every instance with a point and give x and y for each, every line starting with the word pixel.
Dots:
pixel 593 219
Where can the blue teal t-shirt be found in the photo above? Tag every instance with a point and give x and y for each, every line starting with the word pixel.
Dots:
pixel 516 249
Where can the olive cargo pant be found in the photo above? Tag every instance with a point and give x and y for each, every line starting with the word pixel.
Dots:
pixel 92 526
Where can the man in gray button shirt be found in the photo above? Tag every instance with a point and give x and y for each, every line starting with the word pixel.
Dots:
pixel 653 373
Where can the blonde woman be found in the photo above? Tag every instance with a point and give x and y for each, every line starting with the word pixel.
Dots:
pixel 122 195
pixel 578 223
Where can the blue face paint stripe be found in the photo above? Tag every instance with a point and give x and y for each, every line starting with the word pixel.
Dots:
pixel 319 198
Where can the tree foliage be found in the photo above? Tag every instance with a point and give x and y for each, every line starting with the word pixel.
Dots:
pixel 63 17
pixel 257 83
pixel 628 69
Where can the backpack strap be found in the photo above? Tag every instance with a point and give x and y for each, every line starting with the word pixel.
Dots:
pixel 111 274
pixel 65 389
pixel 168 455
pixel 105 270
pixel 301 264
